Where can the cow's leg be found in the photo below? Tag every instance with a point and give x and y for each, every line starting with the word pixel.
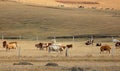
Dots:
pixel 12 47
pixel 109 51
pixel 41 48
pixel 6 49
pixel 46 49
pixel 49 50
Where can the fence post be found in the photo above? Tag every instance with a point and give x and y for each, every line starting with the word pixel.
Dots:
pixel 2 37
pixel 37 38
pixel 73 39
pixel 113 51
pixel 20 37
pixel 19 52
pixel 66 53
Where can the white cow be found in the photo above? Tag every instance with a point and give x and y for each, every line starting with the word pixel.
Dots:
pixel 55 47
pixel 115 40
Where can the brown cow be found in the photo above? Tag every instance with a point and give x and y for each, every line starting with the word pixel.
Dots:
pixel 4 44
pixel 41 46
pixel 105 48
pixel 69 46
pixel 10 45
pixel 117 44
pixel 89 42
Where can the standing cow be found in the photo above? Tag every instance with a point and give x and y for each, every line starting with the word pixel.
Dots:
pixel 89 42
pixel 4 44
pixel 41 46
pixel 117 44
pixel 105 48
pixel 56 48
pixel 10 45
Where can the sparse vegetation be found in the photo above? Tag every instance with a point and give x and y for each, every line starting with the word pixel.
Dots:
pixel 18 19
pixel 44 21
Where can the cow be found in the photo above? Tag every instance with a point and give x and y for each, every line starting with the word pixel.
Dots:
pixel 89 42
pixel 98 44
pixel 10 45
pixel 41 46
pixel 4 44
pixel 105 48
pixel 117 44
pixel 38 46
pixel 56 48
pixel 69 46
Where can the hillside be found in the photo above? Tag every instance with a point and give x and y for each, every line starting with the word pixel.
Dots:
pixel 20 19
pixel 75 3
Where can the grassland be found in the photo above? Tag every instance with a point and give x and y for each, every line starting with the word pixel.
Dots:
pixel 75 3
pixel 21 19
pixel 31 20
pixel 86 57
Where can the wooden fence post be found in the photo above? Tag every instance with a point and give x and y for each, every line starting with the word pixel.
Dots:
pixel 113 51
pixel 37 38
pixel 19 52
pixel 20 37
pixel 2 37
pixel 73 39
pixel 66 53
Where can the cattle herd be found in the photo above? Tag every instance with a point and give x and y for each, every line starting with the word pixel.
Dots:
pixel 52 46
pixel 103 47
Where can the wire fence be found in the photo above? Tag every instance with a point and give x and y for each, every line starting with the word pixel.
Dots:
pixel 24 50
pixel 99 38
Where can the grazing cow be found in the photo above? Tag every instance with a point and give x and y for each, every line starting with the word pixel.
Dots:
pixel 98 44
pixel 10 45
pixel 38 46
pixel 117 44
pixel 41 46
pixel 89 42
pixel 105 48
pixel 115 40
pixel 69 46
pixel 55 47
pixel 4 44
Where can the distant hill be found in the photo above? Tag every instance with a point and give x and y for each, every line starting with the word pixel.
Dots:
pixel 28 20
pixel 75 3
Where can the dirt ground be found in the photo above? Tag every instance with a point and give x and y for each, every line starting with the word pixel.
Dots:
pixel 82 56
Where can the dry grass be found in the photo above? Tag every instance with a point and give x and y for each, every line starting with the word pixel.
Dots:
pixel 75 3
pixel 86 57
pixel 45 22
pixel 42 21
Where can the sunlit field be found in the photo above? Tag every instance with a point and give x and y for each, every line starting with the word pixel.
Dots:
pixel 81 55
pixel 30 23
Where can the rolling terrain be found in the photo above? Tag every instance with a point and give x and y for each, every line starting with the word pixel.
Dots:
pixel 23 19
pixel 75 3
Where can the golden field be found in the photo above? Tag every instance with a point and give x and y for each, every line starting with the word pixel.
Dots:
pixel 74 3
pixel 32 19
pixel 81 55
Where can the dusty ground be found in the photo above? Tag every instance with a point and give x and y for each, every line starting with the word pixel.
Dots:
pixel 85 57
